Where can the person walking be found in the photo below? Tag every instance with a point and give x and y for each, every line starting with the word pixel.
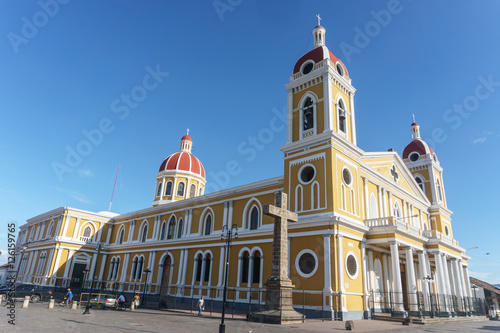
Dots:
pixel 201 306
pixel 136 300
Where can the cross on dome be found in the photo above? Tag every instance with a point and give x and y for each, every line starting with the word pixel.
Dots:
pixel 187 131
pixel 319 19
pixel 413 115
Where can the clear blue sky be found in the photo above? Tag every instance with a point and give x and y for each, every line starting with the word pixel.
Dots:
pixel 221 72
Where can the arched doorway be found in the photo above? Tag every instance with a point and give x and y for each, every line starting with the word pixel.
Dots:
pixel 165 278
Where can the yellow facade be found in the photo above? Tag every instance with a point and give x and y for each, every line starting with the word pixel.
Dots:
pixel 364 218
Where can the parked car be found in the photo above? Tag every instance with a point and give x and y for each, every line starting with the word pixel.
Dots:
pixel 36 292
pixel 102 300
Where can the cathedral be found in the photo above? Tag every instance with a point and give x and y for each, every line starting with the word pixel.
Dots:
pixel 374 232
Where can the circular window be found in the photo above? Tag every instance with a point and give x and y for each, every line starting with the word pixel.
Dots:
pixel 306 263
pixel 307 67
pixel 414 157
pixel 351 265
pixel 346 176
pixel 340 70
pixel 306 174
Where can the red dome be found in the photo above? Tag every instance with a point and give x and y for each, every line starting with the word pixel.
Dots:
pixel 414 124
pixel 187 137
pixel 183 161
pixel 418 146
pixel 318 54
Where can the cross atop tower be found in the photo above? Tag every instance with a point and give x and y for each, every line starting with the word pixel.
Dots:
pixel 413 115
pixel 319 19
pixel 188 131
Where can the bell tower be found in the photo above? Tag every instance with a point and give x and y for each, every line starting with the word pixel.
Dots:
pixel 320 115
pixel 424 165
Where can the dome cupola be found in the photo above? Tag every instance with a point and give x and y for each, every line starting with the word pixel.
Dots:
pixel 180 176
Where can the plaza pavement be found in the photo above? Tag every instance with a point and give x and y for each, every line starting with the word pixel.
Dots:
pixel 38 318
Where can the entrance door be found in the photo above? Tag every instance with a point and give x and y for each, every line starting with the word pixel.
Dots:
pixel 165 278
pixel 77 276
pixel 403 285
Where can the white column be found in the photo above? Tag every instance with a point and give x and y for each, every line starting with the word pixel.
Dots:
pixel 422 261
pixel 353 118
pixel 124 267
pixel 56 264
pixel 103 262
pixel 458 283
pixel 77 225
pixel 224 216
pixel 33 258
pixel 184 270
pixel 99 233
pixel 179 274
pixel 221 265
pixel 398 289
pixel 47 268
pixel 340 266
pixel 387 280
pixel 152 256
pixel 131 231
pixel 446 274
pixel 439 274
pixel 384 201
pixel 328 112
pixel 371 285
pixel 68 264
pixel 467 281
pixel 110 231
pixel 366 293
pixel 230 214
pixel 327 263
pixel 92 265
pixel 367 199
pixel 411 281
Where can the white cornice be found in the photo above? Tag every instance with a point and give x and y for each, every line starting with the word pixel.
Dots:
pixel 203 199
pixel 70 211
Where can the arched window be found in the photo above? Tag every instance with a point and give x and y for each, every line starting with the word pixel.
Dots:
pixel 111 269
pixel 171 228
pixel 49 230
pixel 140 266
pixel 342 117
pixel 420 182
pixel 256 267
pixel 144 233
pixel 397 210
pixel 199 263
pixel 158 191
pixel 308 114
pixel 254 218
pixel 245 261
pixel 87 230
pixel 208 261
pixel 121 236
pixel 117 265
pixel 180 189
pixel 163 231
pixel 192 191
pixel 134 267
pixel 168 188
pixel 208 224
pixel 179 228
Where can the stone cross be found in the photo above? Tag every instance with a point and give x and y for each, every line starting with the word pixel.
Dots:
pixel 279 299
pixel 319 19
pixel 279 270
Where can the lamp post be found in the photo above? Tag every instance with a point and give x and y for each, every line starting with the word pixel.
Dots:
pixel 146 271
pixel 429 280
pixel 85 271
pixel 87 307
pixel 227 234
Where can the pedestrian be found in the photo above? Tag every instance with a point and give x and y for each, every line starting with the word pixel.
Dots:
pixel 68 297
pixel 120 301
pixel 136 300
pixel 201 306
